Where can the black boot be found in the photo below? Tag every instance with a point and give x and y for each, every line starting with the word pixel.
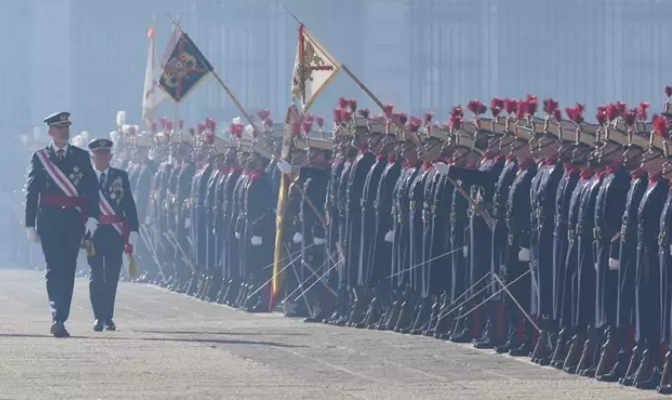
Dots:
pixel 609 356
pixel 436 311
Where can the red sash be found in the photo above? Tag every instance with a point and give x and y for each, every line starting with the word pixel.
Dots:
pixel 108 216
pixel 70 196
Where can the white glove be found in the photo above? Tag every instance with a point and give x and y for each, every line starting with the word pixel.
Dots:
pixel 465 251
pixel 237 235
pixel 255 241
pixel 187 223
pixel 133 238
pixel 32 235
pixel 148 220
pixel 284 167
pixel 389 236
pixel 91 226
pixel 614 264
pixel 298 238
pixel 524 255
pixel 319 241
pixel 441 168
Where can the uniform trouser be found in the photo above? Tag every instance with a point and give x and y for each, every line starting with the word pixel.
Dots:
pixel 647 297
pixel 415 265
pixel 570 285
pixel 400 255
pixel 479 253
pixel 210 247
pixel 584 314
pixel 61 237
pixel 459 262
pixel 520 290
pixel 560 245
pixel 200 239
pixel 625 313
pixel 368 238
pixel 606 286
pixel 105 269
pixel 353 247
pixel 257 259
pixel 665 292
pixel 441 271
pixel 545 269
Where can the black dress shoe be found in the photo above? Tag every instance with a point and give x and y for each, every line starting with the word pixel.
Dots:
pixel 110 326
pixel 98 325
pixel 58 330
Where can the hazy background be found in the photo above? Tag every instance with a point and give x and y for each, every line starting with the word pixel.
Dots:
pixel 88 56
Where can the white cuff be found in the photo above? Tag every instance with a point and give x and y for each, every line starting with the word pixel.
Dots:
pixel 614 264
pixel 524 255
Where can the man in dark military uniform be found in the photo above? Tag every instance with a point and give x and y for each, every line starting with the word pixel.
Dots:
pixel 258 217
pixel 142 193
pixel 292 240
pixel 582 293
pixel 366 142
pixel 400 315
pixel 184 265
pixel 377 257
pixel 517 255
pixel 609 209
pixel 617 349
pixel 338 163
pixel 164 250
pixel 644 367
pixel 199 231
pixel 555 153
pixel 117 234
pixel 61 187
pixel 423 195
pixel 230 258
pixel 318 295
pixel 483 181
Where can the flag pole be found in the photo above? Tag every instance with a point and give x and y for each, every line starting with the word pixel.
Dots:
pixel 233 98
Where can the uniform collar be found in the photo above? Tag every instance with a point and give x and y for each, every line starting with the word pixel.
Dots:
pixel 613 167
pixel 638 173
pixel 427 165
pixel 106 172
pixel 488 155
pixel 655 177
pixel 552 159
pixel 526 163
pixel 586 173
pixel 411 164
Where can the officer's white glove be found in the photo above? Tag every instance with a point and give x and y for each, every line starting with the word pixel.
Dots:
pixel 298 238
pixel 465 251
pixel 441 168
pixel 319 241
pixel 133 238
pixel 91 226
pixel 614 264
pixel 284 167
pixel 32 235
pixel 148 220
pixel 237 235
pixel 255 241
pixel 389 236
pixel 524 255
pixel 187 223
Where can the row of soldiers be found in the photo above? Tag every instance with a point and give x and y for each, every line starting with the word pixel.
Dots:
pixel 546 238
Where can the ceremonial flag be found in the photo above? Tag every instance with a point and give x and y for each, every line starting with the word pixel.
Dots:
pixel 185 68
pixel 314 68
pixel 152 95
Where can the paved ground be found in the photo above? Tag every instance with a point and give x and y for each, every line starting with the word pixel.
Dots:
pixel 170 346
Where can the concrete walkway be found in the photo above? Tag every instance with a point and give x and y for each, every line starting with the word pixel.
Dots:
pixel 170 346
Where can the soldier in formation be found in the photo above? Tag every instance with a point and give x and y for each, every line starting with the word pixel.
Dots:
pixel 540 236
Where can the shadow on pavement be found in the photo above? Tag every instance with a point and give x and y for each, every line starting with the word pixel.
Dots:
pixel 221 341
pixel 225 333
pixel 153 339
